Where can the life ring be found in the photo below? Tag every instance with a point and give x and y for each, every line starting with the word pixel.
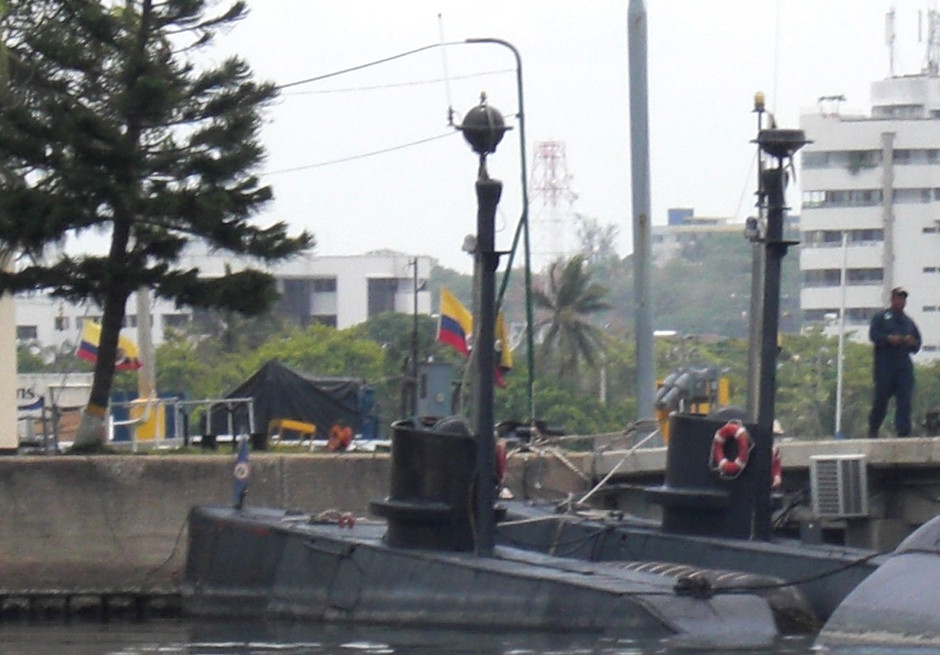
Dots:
pixel 776 469
pixel 731 468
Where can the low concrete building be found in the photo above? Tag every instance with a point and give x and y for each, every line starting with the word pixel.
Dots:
pixel 340 291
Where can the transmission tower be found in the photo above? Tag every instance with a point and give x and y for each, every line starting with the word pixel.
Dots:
pixel 553 228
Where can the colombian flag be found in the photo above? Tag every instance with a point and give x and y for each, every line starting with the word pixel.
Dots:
pixel 128 358
pixel 456 323
pixel 503 351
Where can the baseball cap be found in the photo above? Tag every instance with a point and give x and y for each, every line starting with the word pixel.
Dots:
pixel 899 291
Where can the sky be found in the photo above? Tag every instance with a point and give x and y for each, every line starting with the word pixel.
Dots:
pixel 366 160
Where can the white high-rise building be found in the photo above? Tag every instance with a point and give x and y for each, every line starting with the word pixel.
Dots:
pixel 873 183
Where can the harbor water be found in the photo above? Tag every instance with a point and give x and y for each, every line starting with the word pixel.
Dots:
pixel 185 637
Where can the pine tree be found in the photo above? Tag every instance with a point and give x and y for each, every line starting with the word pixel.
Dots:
pixel 111 122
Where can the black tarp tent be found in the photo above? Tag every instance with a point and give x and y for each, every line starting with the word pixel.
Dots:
pixel 281 392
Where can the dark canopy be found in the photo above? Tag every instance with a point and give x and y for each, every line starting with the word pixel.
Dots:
pixel 280 392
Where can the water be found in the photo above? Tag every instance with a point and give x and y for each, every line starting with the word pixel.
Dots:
pixel 184 637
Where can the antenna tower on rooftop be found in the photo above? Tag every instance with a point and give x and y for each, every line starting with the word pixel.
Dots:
pixel 932 54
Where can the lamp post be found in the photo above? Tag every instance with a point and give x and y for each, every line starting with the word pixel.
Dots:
pixel 483 128
pixel 522 230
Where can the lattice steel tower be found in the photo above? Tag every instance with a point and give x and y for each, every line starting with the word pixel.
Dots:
pixel 554 224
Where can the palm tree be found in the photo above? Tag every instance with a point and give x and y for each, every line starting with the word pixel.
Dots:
pixel 567 336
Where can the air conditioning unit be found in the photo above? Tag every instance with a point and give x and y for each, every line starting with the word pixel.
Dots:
pixel 839 486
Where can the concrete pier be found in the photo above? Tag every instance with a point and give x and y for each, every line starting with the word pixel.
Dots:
pixel 903 484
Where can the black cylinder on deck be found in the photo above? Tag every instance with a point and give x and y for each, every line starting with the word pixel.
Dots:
pixel 695 498
pixel 430 500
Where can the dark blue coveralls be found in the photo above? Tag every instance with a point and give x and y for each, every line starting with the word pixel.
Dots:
pixel 893 370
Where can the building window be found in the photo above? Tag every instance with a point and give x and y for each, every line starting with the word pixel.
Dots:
pixel 866 236
pixel 130 321
pixel 814 198
pixel 853 160
pixel 930 269
pixel 930 230
pixel 846 197
pixel 61 323
pixel 324 285
pixel 929 349
pixel 929 308
pixel 26 332
pixel 856 160
pixel 382 295
pixel 865 276
pixel 824 277
pixel 903 157
pixel 295 300
pixel 912 195
pixel 815 159
pixel 833 238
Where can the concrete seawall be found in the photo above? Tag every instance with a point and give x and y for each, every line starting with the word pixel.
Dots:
pixel 118 521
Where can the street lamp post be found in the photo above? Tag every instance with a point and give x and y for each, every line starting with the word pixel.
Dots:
pixel 522 230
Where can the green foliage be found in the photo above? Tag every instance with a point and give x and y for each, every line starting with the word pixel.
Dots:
pixel 324 351
pixel 201 370
pixel 28 362
pixel 807 371
pixel 704 289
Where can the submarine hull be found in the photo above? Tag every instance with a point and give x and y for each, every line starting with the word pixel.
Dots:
pixel 269 563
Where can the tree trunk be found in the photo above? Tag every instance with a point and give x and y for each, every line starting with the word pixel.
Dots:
pixel 93 428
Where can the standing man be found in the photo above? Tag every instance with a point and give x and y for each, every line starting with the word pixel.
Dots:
pixel 896 338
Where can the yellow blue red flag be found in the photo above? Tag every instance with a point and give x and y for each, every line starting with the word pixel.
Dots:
pixel 128 357
pixel 456 323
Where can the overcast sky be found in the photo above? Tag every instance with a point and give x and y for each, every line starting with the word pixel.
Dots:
pixel 706 61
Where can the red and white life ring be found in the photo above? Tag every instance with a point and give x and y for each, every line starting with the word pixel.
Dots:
pixel 731 468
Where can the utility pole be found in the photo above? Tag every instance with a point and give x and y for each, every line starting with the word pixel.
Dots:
pixel 642 237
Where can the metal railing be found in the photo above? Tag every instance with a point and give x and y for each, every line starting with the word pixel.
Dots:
pixel 166 422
